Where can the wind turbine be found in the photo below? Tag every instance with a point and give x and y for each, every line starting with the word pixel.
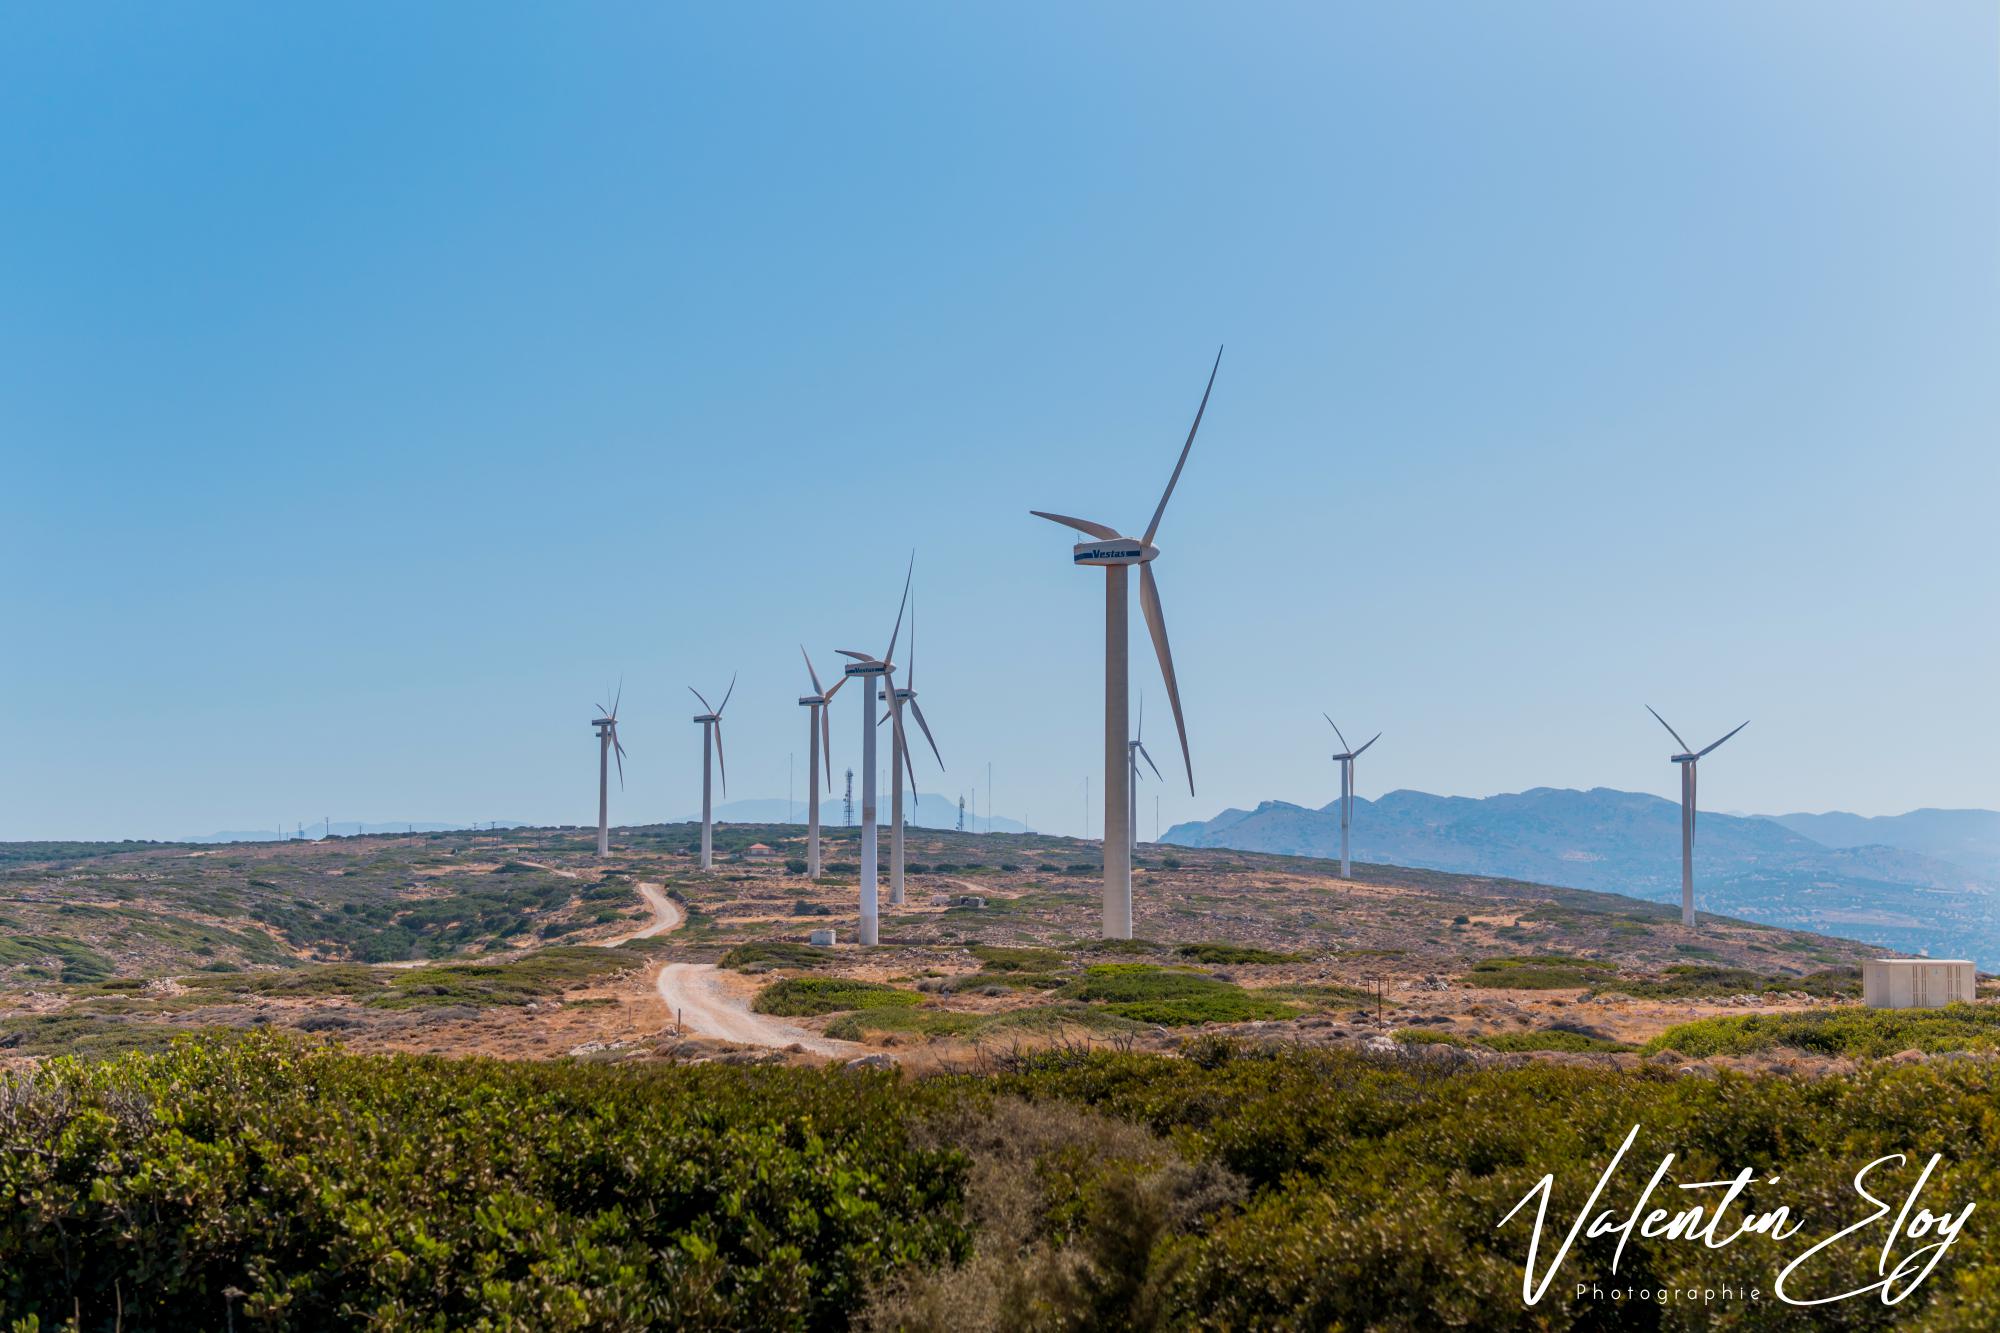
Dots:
pixel 1688 758
pixel 868 668
pixel 1116 554
pixel 821 731
pixel 1348 754
pixel 711 740
pixel 606 723
pixel 899 760
pixel 1134 748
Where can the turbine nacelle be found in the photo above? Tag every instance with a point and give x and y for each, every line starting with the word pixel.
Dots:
pixel 707 717
pixel 1114 551
pixel 811 700
pixel 868 668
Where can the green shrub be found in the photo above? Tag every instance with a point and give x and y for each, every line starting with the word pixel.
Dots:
pixel 334 1191
pixel 1855 1032
pixel 1234 954
pixel 775 953
pixel 800 997
pixel 998 958
pixel 1430 1037
pixel 1539 972
pixel 1550 1039
pixel 1170 998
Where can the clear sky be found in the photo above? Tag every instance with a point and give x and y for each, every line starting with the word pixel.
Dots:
pixel 379 383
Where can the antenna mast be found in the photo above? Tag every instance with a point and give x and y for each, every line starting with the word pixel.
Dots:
pixel 850 798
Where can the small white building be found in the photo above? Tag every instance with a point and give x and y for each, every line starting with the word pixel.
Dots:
pixel 821 939
pixel 1917 983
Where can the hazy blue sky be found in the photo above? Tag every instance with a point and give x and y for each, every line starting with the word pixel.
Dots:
pixel 378 383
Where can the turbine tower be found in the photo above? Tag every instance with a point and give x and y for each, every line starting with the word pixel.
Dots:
pixel 868 668
pixel 1348 754
pixel 1136 748
pixel 606 723
pixel 899 760
pixel 1116 554
pixel 711 747
pixel 1688 759
pixel 821 735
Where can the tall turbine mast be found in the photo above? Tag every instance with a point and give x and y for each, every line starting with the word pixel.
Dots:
pixel 899 761
pixel 711 759
pixel 869 668
pixel 821 745
pixel 606 723
pixel 1689 758
pixel 1345 759
pixel 1116 554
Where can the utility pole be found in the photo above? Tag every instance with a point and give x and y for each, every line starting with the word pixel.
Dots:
pixel 1086 808
pixel 961 814
pixel 989 795
pixel 789 760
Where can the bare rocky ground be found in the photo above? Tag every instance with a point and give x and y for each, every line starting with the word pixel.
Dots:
pixel 102 951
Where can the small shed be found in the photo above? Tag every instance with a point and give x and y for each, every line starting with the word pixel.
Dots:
pixel 1917 983
pixel 822 939
pixel 759 851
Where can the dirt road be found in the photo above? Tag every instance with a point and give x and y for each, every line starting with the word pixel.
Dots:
pixel 667 915
pixel 698 995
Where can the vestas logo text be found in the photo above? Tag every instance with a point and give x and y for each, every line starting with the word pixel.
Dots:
pixel 1110 553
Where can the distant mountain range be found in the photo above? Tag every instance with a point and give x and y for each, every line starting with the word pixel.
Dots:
pixel 1928 880
pixel 345 828
pixel 933 811
pixel 1970 838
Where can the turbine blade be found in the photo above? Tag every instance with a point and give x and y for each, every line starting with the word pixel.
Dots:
pixel 721 762
pixel 1150 764
pixel 619 697
pixel 897 633
pixel 1336 731
pixel 859 657
pixel 1364 749
pixel 826 742
pixel 1156 621
pixel 1154 526
pixel 817 687
pixel 618 749
pixel 828 695
pixel 918 709
pixel 1685 747
pixel 704 703
pixel 1097 530
pixel 1699 753
pixel 726 694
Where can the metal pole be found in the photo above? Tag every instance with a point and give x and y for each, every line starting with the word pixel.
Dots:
pixel 1117 732
pixel 869 926
pixel 707 824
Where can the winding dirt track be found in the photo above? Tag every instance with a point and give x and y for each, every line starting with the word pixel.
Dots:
pixel 667 915
pixel 700 999
pixel 697 995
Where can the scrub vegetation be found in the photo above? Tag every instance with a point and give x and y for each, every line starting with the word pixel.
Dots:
pixel 1851 1032
pixel 277 1184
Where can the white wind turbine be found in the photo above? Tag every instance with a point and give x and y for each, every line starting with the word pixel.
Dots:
pixel 711 741
pixel 1688 758
pixel 869 668
pixel 821 735
pixel 606 723
pixel 1116 554
pixel 1348 754
pixel 1135 748
pixel 899 762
